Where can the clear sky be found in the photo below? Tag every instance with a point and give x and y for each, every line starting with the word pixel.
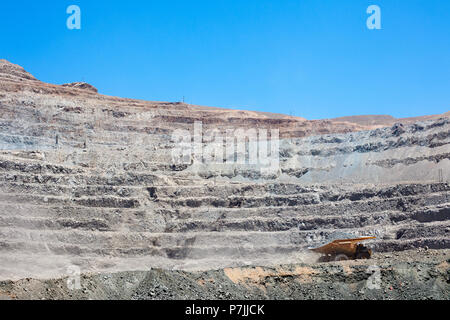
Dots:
pixel 310 58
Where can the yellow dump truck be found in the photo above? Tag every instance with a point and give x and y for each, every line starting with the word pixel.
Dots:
pixel 344 249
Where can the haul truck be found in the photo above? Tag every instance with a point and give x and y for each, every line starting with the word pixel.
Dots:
pixel 344 249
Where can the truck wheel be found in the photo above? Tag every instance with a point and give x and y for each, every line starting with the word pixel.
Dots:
pixel 363 252
pixel 363 255
pixel 340 257
pixel 324 258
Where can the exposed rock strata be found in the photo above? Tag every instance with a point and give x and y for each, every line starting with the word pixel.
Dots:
pixel 89 180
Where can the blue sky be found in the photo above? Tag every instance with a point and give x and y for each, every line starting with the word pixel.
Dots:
pixel 310 58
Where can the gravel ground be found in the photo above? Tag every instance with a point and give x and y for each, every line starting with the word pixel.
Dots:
pixel 414 274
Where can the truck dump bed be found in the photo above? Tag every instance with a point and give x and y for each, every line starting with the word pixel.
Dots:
pixel 341 246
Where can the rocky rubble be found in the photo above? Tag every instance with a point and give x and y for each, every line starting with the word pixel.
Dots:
pixel 416 274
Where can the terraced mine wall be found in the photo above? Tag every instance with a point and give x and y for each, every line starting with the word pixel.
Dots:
pixel 89 181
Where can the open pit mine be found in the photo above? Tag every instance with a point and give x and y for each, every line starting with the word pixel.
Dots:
pixel 94 205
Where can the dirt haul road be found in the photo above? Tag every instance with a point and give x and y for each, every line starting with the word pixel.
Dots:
pixel 411 274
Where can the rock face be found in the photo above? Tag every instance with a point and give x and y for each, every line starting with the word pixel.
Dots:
pixel 88 180
pixel 13 72
pixel 81 85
